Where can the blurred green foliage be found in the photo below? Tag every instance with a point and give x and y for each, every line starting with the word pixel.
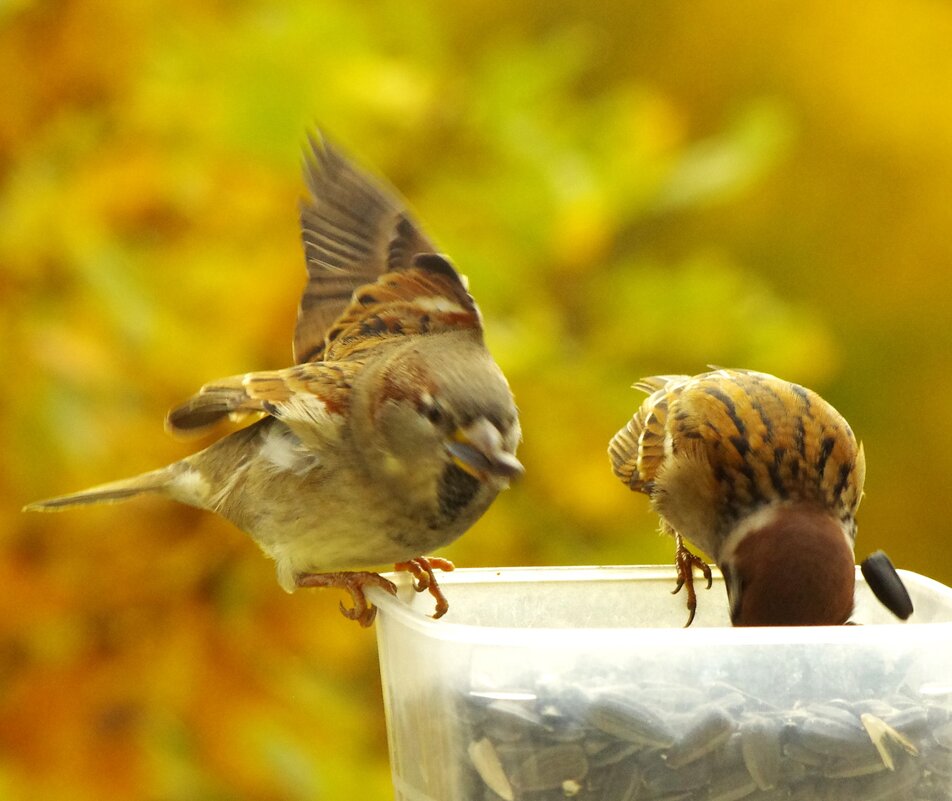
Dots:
pixel 632 188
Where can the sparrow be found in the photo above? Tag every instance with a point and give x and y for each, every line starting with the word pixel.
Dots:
pixel 391 434
pixel 761 474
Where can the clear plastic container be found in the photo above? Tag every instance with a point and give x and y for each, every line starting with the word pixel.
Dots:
pixel 555 683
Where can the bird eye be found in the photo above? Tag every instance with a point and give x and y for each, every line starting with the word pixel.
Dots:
pixel 433 413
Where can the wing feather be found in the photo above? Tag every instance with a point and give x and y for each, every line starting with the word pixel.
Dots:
pixel 354 228
pixel 303 395
pixel 638 450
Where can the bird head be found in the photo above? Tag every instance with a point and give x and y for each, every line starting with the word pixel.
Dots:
pixel 789 565
pixel 441 413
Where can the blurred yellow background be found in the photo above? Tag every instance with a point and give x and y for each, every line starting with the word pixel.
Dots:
pixel 632 188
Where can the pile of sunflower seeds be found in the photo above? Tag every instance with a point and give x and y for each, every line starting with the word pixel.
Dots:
pixel 659 741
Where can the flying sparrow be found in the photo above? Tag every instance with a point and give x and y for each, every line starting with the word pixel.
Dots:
pixel 392 433
pixel 764 476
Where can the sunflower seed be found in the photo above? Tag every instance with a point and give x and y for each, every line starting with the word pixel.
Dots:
pixel 943 735
pixel 661 779
pixel 482 754
pixel 731 786
pixel 799 753
pixel 833 736
pixel 614 753
pixel 622 783
pixel 549 768
pixel 761 749
pixel 630 720
pixel 708 731
pixel 600 740
pixel 912 721
pixel 864 765
pixel 886 739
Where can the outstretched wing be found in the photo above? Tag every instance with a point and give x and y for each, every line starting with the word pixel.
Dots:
pixel 372 276
pixel 354 229
pixel 310 398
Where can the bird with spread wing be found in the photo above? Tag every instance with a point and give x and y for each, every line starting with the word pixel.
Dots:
pixel 389 437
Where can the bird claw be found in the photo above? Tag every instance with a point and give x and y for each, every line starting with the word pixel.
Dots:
pixel 421 569
pixel 363 612
pixel 685 562
pixel 353 582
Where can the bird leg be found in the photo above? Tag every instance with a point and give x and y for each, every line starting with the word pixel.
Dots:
pixel 422 569
pixel 354 582
pixel 685 561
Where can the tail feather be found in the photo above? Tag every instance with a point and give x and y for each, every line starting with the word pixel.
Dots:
pixel 113 492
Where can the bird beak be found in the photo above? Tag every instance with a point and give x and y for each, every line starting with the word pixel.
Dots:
pixel 478 449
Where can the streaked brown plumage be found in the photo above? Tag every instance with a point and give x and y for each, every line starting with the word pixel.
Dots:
pixel 764 476
pixel 391 434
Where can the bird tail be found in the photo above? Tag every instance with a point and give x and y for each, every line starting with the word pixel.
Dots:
pixel 113 492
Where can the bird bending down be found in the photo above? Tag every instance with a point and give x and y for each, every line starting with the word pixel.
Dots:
pixel 389 437
pixel 761 474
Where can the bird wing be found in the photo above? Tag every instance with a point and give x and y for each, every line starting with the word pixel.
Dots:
pixel 310 398
pixel 638 450
pixel 427 297
pixel 354 229
pixel 372 277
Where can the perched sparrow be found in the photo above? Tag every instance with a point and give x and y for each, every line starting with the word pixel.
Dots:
pixel 763 475
pixel 390 436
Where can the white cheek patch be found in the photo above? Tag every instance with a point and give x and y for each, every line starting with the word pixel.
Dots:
pixel 762 518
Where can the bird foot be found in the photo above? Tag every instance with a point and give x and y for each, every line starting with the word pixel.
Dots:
pixel 422 569
pixel 685 562
pixel 354 582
